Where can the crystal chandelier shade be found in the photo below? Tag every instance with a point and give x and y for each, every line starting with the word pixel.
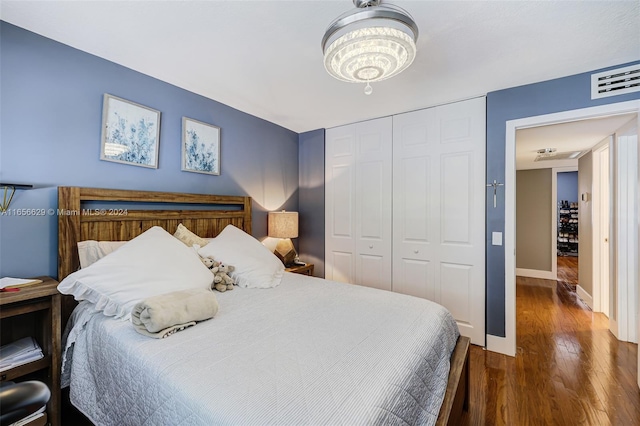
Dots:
pixel 370 44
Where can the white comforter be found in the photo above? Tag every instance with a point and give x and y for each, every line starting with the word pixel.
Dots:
pixel 307 352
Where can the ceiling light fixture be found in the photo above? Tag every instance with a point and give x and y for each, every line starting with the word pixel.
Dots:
pixel 546 152
pixel 371 43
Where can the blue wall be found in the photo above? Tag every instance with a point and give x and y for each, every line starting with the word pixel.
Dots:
pixel 562 94
pixel 51 112
pixel 311 160
pixel 568 187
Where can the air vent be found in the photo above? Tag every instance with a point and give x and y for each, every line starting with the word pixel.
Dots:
pixel 615 82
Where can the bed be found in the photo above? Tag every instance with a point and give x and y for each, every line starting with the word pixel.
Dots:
pixel 309 351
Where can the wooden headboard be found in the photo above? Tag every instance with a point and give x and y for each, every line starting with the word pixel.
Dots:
pixel 77 222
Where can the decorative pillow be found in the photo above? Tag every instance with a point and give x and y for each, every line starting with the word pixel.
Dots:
pixel 151 264
pixel 91 251
pixel 188 237
pixel 256 266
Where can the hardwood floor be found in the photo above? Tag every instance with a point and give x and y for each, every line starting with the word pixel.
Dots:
pixel 568 270
pixel 568 370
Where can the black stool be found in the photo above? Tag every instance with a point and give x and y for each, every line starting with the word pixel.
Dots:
pixel 19 400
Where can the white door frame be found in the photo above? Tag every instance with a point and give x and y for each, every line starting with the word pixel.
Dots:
pixel 638 376
pixel 507 345
pixel 625 209
pixel 597 243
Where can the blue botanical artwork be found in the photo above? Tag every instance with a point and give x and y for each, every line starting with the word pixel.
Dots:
pixel 130 133
pixel 200 147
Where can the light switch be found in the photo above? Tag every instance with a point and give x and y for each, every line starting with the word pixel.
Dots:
pixel 496 238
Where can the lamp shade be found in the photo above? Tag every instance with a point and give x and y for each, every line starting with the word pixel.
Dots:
pixel 283 224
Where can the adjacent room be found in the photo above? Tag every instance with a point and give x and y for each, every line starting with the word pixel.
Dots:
pixel 319 212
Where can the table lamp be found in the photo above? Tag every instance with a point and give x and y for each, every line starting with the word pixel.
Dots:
pixel 284 225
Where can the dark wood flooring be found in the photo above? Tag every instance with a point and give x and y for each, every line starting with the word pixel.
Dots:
pixel 568 370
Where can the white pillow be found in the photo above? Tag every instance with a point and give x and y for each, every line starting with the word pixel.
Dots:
pixel 151 264
pixel 91 251
pixel 255 266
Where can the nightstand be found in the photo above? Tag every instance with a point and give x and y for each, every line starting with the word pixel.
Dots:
pixel 301 269
pixel 35 311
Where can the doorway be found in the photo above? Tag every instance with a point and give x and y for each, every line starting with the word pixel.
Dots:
pixel 507 345
pixel 567 240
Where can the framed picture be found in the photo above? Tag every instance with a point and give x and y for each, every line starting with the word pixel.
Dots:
pixel 200 147
pixel 130 133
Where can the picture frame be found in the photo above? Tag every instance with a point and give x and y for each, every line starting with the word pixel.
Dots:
pixel 200 147
pixel 130 133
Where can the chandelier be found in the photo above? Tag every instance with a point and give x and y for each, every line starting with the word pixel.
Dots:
pixel 371 43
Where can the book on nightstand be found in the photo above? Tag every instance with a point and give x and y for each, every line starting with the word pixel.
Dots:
pixel 8 282
pixel 20 352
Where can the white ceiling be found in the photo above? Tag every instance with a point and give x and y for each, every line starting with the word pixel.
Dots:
pixel 264 57
pixel 566 137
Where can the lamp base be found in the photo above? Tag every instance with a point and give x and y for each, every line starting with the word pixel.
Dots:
pixel 285 251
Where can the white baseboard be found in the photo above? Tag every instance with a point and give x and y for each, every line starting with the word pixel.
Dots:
pixel 501 345
pixel 586 297
pixel 534 273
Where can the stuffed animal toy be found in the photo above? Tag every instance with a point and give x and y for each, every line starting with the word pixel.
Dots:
pixel 221 279
pixel 208 262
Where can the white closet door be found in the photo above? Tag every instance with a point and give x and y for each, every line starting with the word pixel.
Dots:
pixel 358 203
pixel 438 210
pixel 373 203
pixel 340 204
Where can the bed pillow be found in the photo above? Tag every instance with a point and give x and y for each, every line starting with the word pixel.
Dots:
pixel 151 264
pixel 255 266
pixel 91 251
pixel 188 237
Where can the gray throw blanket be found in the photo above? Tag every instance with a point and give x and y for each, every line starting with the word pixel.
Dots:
pixel 163 315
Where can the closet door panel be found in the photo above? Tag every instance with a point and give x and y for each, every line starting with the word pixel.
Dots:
pixel 456 198
pixel 461 136
pixel 416 278
pixel 342 266
pixel 358 203
pixel 373 203
pixel 447 144
pixel 372 271
pixel 413 211
pixel 413 175
pixel 341 197
pixel 340 170
pixel 455 290
pixel 371 199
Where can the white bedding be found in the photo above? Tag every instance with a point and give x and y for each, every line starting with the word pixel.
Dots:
pixel 307 352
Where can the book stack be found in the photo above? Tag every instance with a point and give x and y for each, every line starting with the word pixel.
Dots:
pixel 19 352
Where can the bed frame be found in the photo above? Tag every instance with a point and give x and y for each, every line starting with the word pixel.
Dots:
pixel 77 222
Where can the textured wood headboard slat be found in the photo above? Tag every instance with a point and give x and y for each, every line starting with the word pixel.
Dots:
pixel 100 194
pixel 76 223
